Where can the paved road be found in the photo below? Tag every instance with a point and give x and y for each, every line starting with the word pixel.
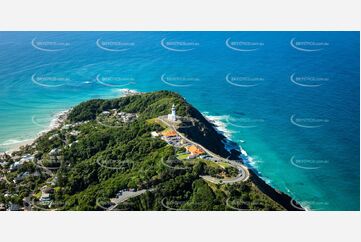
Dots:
pixel 125 196
pixel 231 180
pixel 244 173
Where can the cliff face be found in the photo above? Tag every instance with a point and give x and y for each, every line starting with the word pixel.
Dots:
pixel 281 198
pixel 203 132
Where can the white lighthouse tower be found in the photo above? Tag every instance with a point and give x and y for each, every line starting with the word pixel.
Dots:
pixel 172 116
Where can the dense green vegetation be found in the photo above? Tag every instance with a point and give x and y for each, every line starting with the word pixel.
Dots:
pixel 90 167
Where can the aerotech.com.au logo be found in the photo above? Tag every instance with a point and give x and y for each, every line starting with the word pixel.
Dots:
pixel 179 46
pixel 49 46
pixel 308 46
pixel 243 46
pixel 114 46
pixel 308 81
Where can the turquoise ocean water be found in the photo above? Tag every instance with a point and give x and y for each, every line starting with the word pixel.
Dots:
pixel 290 100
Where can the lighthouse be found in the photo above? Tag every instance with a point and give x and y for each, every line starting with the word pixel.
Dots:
pixel 172 116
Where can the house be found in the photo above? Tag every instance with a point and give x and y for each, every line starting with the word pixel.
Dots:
pixel 194 150
pixel 66 127
pixel 53 136
pixel 26 158
pixel 154 134
pixel 46 194
pixel 183 142
pixel 54 152
pixel 169 133
pixel 74 133
pixel 126 117
pixel 106 113
pixel 45 197
pixel 15 166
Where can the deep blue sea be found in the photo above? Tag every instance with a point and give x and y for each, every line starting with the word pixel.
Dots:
pixel 290 100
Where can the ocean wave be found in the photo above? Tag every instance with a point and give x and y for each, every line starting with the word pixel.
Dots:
pixel 250 162
pixel 10 142
pixel 56 121
pixel 221 125
pixel 126 91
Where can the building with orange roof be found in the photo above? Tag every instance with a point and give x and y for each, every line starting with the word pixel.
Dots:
pixel 169 133
pixel 194 150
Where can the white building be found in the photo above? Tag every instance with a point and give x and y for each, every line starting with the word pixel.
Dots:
pixel 172 116
pixel 45 197
pixel 26 158
pixel 74 133
pixel 154 134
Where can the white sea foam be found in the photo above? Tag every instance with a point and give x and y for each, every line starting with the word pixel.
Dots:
pixel 249 161
pixel 10 142
pixel 127 92
pixel 13 144
pixel 220 123
pixel 56 122
pixel 243 152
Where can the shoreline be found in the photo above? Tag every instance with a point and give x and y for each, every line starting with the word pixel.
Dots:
pixel 262 184
pixel 16 146
pixel 56 122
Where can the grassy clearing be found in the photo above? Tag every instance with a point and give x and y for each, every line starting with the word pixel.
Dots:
pixel 156 121
pixel 223 164
pixel 182 156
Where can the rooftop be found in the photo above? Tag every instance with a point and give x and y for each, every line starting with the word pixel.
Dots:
pixel 169 133
pixel 195 150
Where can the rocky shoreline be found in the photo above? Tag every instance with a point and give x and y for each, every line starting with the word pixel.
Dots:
pixel 281 198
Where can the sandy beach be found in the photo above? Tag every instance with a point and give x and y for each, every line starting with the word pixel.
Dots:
pixel 16 146
pixel 56 122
